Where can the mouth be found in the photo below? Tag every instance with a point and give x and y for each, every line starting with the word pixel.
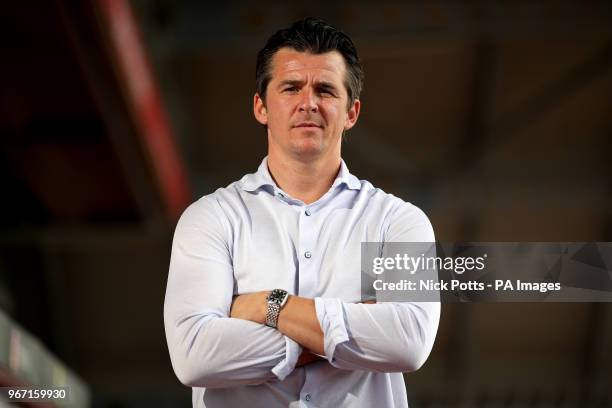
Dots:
pixel 307 125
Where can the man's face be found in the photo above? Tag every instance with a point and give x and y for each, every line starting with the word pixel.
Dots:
pixel 306 104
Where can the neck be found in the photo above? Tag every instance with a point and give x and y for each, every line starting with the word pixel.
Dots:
pixel 306 180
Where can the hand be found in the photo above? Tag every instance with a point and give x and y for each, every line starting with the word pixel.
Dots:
pixel 306 358
pixel 250 306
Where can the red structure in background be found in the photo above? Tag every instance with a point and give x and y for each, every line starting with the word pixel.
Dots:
pixel 144 98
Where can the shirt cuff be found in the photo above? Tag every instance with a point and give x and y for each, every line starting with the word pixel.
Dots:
pixel 331 318
pixel 287 365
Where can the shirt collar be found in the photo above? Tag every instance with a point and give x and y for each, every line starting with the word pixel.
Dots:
pixel 263 179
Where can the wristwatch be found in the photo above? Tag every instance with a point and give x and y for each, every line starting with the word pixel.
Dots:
pixel 276 300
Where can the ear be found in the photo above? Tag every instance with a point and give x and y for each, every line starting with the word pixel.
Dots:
pixel 352 115
pixel 259 109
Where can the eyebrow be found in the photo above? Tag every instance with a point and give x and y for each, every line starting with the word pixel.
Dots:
pixel 292 82
pixel 296 82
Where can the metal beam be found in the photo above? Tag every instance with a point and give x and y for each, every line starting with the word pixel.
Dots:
pixel 78 22
pixel 146 105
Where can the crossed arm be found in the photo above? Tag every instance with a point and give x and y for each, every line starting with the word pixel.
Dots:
pixel 219 341
pixel 297 320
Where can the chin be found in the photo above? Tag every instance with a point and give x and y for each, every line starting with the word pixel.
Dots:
pixel 307 149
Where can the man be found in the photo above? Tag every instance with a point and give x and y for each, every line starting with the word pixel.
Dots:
pixel 264 305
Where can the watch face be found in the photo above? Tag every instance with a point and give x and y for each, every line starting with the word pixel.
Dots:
pixel 276 296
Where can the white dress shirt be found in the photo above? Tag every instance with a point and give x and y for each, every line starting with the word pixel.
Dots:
pixel 252 236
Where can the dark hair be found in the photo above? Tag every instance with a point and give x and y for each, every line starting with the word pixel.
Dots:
pixel 315 36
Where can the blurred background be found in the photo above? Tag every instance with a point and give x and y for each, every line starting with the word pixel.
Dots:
pixel 494 117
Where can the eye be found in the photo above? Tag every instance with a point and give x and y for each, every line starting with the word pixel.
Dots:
pixel 326 92
pixel 290 89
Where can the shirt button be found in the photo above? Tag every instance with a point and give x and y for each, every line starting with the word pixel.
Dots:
pixel 307 254
pixel 307 212
pixel 307 397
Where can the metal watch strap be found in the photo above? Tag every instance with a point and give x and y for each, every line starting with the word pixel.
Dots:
pixel 272 314
pixel 276 300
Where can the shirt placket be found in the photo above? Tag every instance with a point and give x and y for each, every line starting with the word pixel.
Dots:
pixel 309 259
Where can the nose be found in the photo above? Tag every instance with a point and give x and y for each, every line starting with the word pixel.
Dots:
pixel 308 103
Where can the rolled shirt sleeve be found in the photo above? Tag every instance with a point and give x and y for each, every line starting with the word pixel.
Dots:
pixel 384 337
pixel 330 313
pixel 388 337
pixel 207 347
pixel 287 365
